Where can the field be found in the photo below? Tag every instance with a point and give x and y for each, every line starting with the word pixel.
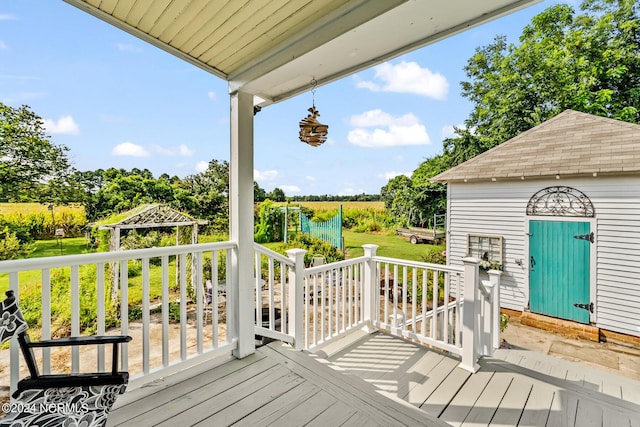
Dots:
pixel 327 206
pixel 34 208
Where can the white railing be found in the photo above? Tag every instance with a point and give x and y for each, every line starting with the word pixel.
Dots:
pixel 273 313
pixel 333 300
pixel 420 301
pixel 162 289
pixel 173 317
pixel 445 307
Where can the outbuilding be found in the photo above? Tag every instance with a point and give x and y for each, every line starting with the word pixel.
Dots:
pixel 557 208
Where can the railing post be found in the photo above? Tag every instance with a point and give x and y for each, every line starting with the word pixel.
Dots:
pixel 370 313
pixel 296 295
pixel 494 280
pixel 469 335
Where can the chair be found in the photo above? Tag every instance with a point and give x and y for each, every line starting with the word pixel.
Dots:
pixel 59 399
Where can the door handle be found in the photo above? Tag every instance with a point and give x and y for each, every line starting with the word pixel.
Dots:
pixel 532 262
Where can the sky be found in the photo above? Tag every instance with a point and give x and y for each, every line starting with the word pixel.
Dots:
pixel 116 101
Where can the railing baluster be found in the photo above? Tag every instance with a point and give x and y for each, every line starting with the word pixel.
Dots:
pixel 395 296
pixel 386 293
pixel 405 313
pixel 165 310
pixel 101 312
pixel 414 298
pixel 272 317
pixel 323 297
pixel 215 288
pixel 124 311
pixel 46 319
pixel 146 342
pixel 182 276
pixel 425 289
pixel 436 290
pixel 445 337
pixel 196 279
pixel 75 318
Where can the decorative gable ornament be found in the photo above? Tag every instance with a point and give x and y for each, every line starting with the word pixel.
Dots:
pixel 312 131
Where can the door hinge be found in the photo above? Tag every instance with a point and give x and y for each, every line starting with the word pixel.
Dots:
pixel 588 237
pixel 588 307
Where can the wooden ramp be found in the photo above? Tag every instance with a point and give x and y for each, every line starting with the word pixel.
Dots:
pixel 274 386
pixel 511 389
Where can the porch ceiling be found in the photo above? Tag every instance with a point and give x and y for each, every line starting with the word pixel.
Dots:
pixel 274 48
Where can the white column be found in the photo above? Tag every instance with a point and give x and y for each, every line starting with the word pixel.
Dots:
pixel 241 221
pixel 469 336
pixel 370 288
pixel 296 295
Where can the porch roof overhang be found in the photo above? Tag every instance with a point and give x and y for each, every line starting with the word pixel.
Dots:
pixel 274 48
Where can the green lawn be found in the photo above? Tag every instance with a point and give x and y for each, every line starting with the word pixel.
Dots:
pixel 389 245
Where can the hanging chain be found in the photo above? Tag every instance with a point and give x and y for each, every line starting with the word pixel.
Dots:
pixel 314 83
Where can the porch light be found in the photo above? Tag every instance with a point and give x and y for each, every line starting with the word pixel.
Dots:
pixel 312 131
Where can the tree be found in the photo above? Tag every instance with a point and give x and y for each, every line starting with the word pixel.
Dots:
pixel 277 195
pixel 588 62
pixel 28 159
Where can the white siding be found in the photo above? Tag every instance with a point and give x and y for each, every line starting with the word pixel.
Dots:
pixel 500 208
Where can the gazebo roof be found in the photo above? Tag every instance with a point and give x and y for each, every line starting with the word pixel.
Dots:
pixel 149 216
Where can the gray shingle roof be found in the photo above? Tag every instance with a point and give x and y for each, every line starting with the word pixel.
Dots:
pixel 570 144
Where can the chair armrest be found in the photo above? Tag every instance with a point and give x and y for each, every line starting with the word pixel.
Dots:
pixel 91 340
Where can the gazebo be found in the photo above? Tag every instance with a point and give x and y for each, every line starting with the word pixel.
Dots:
pixel 146 216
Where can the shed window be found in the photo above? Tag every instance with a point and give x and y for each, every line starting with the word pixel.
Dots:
pixel 488 248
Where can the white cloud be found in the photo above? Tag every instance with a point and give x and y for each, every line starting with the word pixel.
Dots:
pixel 389 131
pixel 211 95
pixel 3 45
pixel 380 118
pixel 448 131
pixel 407 77
pixel 311 178
pixel 8 17
pixel 64 125
pixel 129 149
pixel 185 151
pixel 268 175
pixel 202 166
pixel 399 158
pixel 289 189
pixel 391 175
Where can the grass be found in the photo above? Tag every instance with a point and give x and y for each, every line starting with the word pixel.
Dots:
pixel 389 245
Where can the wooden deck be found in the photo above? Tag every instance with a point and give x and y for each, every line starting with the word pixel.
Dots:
pixel 274 386
pixel 381 380
pixel 515 388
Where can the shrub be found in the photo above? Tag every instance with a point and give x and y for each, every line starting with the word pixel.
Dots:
pixel 11 247
pixel 314 246
pixel 434 255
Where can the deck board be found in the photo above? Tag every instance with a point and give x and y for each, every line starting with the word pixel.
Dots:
pixel 381 380
pixel 516 387
pixel 281 406
pixel 510 408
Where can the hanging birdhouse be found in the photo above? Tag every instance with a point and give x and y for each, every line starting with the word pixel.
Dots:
pixel 312 131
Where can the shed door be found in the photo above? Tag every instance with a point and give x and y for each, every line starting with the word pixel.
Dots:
pixel 559 269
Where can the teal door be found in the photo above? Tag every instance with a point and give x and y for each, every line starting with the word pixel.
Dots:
pixel 559 268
